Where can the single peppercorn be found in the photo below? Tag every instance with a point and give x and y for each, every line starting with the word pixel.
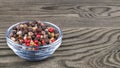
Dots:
pixel 43 42
pixel 51 29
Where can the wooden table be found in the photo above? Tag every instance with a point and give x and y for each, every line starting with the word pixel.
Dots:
pixel 91 32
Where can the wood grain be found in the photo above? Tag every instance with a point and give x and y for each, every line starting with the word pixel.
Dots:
pixel 88 48
pixel 91 32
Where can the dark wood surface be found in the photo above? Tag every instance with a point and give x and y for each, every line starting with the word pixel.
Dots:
pixel 91 32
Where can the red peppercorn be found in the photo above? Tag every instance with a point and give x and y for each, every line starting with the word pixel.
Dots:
pixel 25 40
pixel 52 39
pixel 36 41
pixel 28 41
pixel 36 44
pixel 43 42
pixel 51 29
pixel 27 44
pixel 38 35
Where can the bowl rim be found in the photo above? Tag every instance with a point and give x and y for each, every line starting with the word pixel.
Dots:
pixel 48 45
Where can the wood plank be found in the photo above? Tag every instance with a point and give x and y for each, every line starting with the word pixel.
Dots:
pixel 91 32
pixel 92 46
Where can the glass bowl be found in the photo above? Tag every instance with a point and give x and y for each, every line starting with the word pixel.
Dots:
pixel 34 55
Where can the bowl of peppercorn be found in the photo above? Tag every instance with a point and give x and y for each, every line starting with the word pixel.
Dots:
pixel 34 40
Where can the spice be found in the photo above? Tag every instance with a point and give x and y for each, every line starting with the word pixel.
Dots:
pixel 33 33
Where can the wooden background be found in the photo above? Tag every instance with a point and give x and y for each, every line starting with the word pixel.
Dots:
pixel 91 32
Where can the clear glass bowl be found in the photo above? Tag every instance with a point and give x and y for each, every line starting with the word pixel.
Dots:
pixel 44 51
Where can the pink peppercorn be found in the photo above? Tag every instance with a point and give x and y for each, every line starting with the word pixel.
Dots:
pixel 43 42
pixel 25 40
pixel 38 36
pixel 27 44
pixel 51 29
pixel 28 41
pixel 36 41
pixel 36 44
